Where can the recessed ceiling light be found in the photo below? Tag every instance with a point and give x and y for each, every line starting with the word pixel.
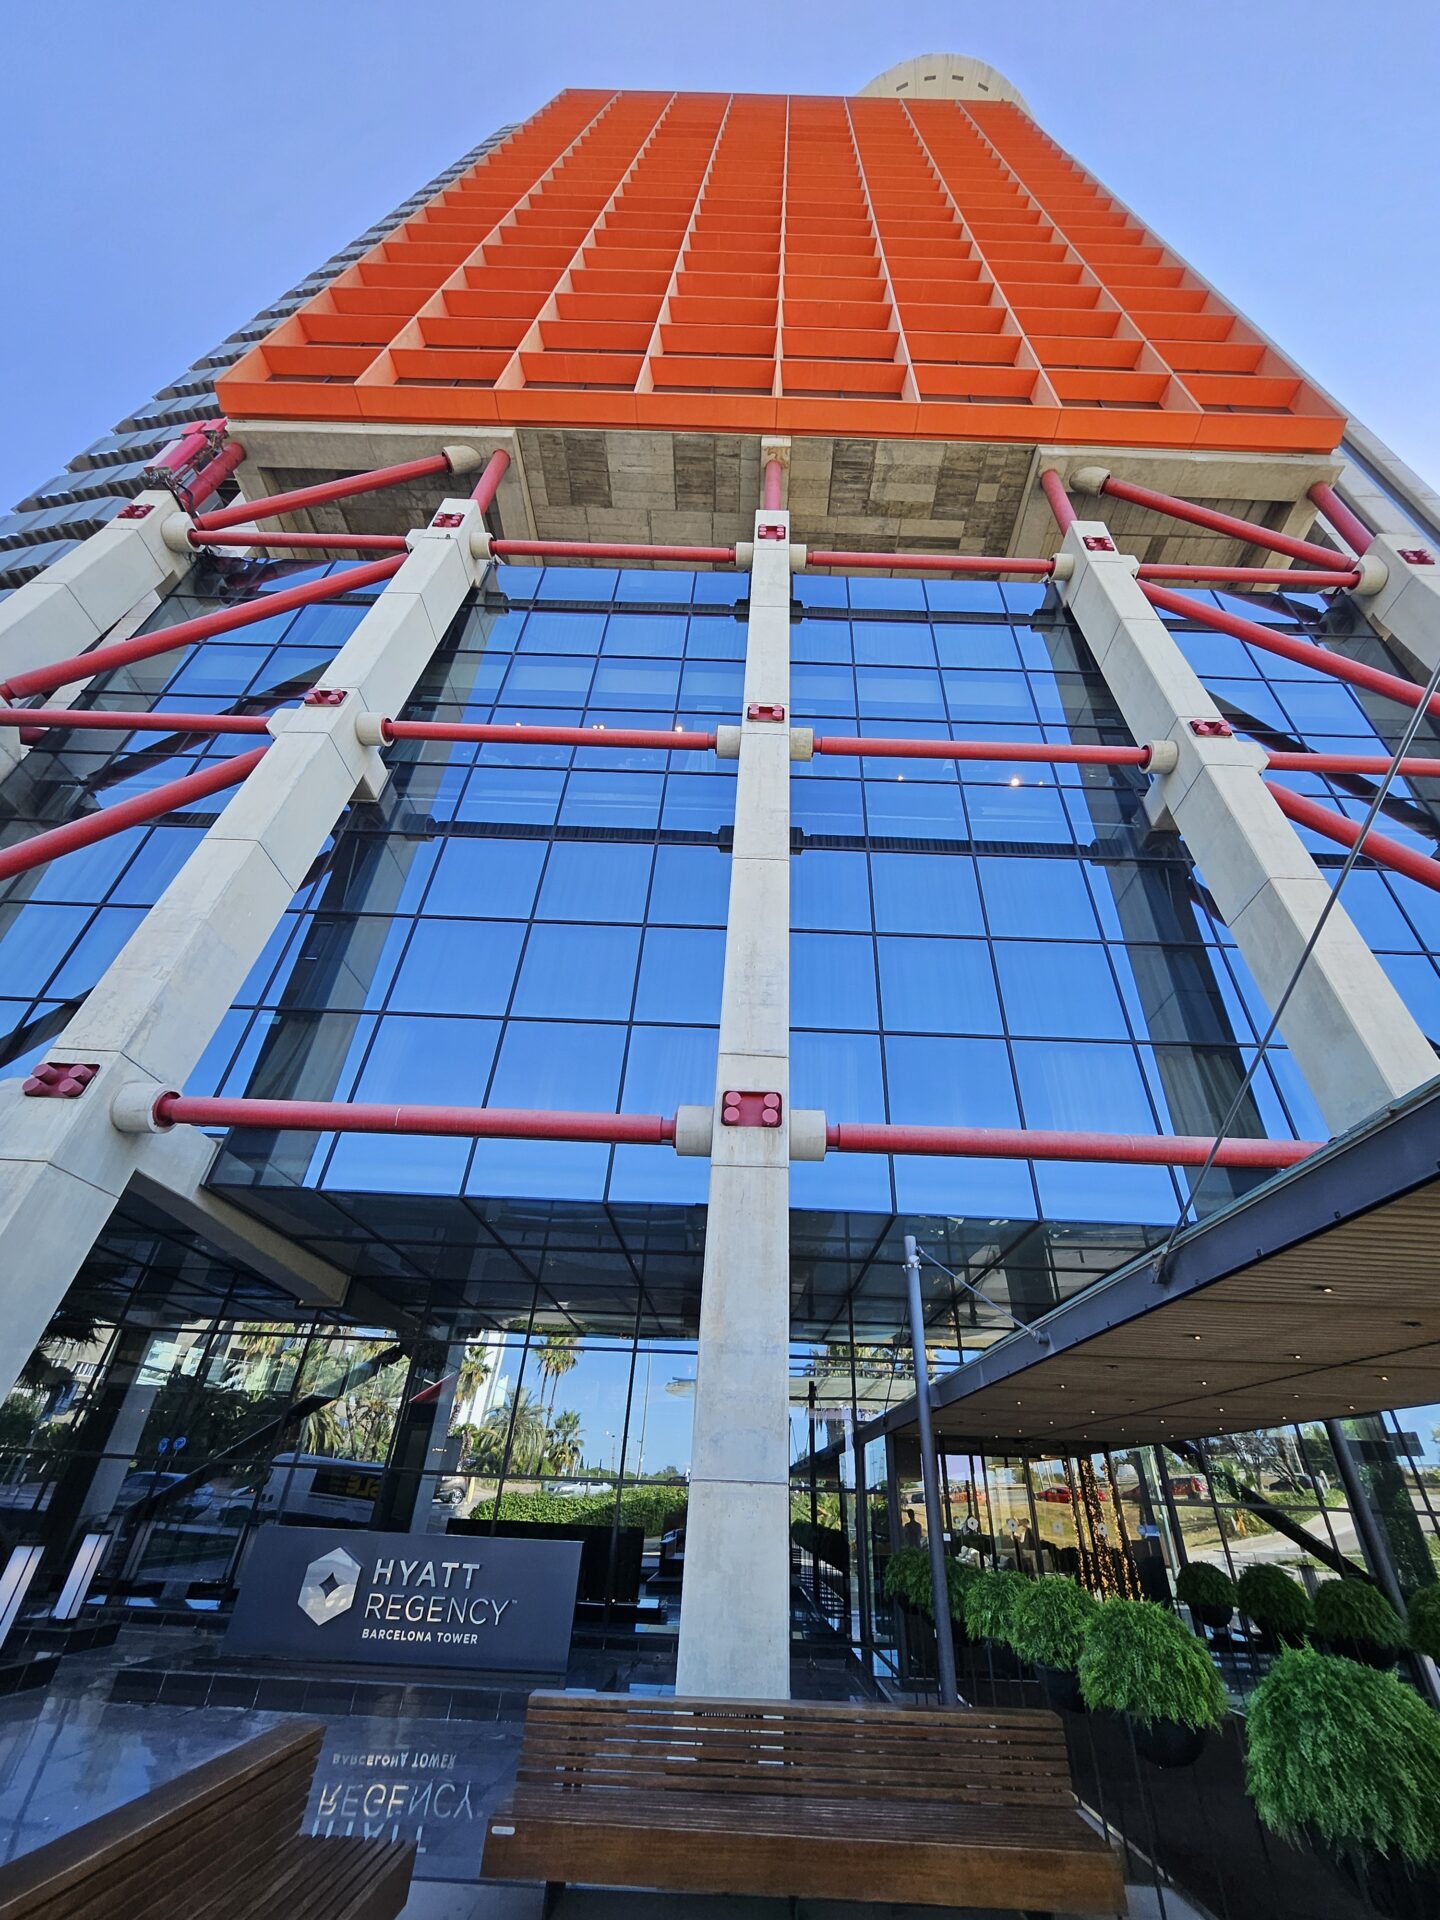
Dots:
pixel 1324 1289
pixel 1384 1376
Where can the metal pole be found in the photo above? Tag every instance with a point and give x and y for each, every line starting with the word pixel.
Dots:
pixel 934 1512
pixel 1372 1539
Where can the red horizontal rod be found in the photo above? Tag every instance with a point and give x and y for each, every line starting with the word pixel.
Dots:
pixel 488 485
pixel 1250 576
pixel 344 489
pixel 1350 527
pixel 772 497
pixel 100 825
pixel 1346 833
pixel 1196 516
pixel 1304 652
pixel 470 1123
pixel 1041 751
pixel 670 739
pixel 606 550
pixel 94 719
pixel 930 562
pixel 147 646
pixel 1412 767
pixel 1024 1143
pixel 1061 505
pixel 303 542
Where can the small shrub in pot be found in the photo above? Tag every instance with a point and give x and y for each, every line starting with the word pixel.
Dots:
pixel 1278 1605
pixel 1349 1759
pixel 1139 1661
pixel 989 1602
pixel 1047 1627
pixel 1422 1618
pixel 1208 1592
pixel 1356 1620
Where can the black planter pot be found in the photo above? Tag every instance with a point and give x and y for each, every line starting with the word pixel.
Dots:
pixel 1216 1619
pixel 1061 1688
pixel 1269 1640
pixel 1365 1652
pixel 1390 1886
pixel 1169 1743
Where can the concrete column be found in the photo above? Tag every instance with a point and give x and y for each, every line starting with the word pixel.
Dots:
pixel 735 1604
pixel 1348 1029
pixel 64 1162
pixel 1405 609
pixel 75 602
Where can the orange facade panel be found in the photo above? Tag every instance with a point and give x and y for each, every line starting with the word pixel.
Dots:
pixel 748 263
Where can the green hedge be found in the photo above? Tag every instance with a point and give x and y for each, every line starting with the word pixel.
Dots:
pixel 654 1509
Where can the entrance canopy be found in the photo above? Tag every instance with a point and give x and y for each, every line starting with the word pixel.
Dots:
pixel 1316 1296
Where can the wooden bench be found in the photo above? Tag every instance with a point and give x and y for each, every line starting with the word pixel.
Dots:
pixel 221 1842
pixel 791 1798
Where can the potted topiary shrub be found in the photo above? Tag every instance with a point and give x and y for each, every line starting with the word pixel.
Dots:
pixel 1139 1661
pixel 1276 1604
pixel 1355 1619
pixel 1047 1628
pixel 989 1602
pixel 1209 1593
pixel 1422 1618
pixel 1349 1759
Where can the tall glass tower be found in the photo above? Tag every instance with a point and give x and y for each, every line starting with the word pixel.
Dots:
pixel 811 685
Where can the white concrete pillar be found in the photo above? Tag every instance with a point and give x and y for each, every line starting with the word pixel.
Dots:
pixel 1405 607
pixel 735 1602
pixel 72 604
pixel 1346 1026
pixel 145 1024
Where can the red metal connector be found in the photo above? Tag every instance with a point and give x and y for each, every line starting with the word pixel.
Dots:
pixel 57 1081
pixel 761 710
pixel 1210 729
pixel 744 1109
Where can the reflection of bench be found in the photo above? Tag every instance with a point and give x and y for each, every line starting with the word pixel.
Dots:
pixel 845 1802
pixel 221 1842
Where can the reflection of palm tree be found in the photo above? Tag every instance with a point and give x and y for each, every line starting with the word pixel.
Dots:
pixel 522 1422
pixel 475 1370
pixel 563 1448
pixel 557 1356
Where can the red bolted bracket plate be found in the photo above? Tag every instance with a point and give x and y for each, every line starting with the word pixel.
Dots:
pixel 59 1081
pixel 772 530
pixel 1417 556
pixel 137 510
pixel 758 710
pixel 326 697
pixel 1097 543
pixel 751 1109
pixel 447 520
pixel 1211 729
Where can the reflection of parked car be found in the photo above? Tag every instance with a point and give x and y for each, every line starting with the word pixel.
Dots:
pixel 1061 1495
pixel 136 1487
pixel 313 1486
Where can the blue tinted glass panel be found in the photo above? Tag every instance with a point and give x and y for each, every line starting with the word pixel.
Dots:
pixel 691 886
pixel 591 881
pixel 458 966
pixel 1058 988
pixel 681 971
pixel 578 973
pixel 830 891
pixel 486 879
pixel 925 893
pixel 833 981
pixel 938 986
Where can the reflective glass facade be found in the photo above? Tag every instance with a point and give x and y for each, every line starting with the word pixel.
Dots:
pixel 993 943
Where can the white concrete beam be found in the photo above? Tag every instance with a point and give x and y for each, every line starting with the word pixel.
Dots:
pixel 63 1162
pixel 69 606
pixel 1349 1031
pixel 737 1539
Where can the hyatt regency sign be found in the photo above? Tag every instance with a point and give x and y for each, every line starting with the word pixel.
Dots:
pixel 406 1599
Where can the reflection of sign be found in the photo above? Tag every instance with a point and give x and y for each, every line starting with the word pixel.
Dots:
pixel 429 1795
pixel 408 1599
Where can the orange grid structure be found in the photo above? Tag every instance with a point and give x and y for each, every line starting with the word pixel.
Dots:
pixel 757 263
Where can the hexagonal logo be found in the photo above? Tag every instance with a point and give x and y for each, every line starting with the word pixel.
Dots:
pixel 329 1586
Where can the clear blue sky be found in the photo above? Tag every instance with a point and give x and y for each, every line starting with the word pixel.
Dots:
pixel 170 168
